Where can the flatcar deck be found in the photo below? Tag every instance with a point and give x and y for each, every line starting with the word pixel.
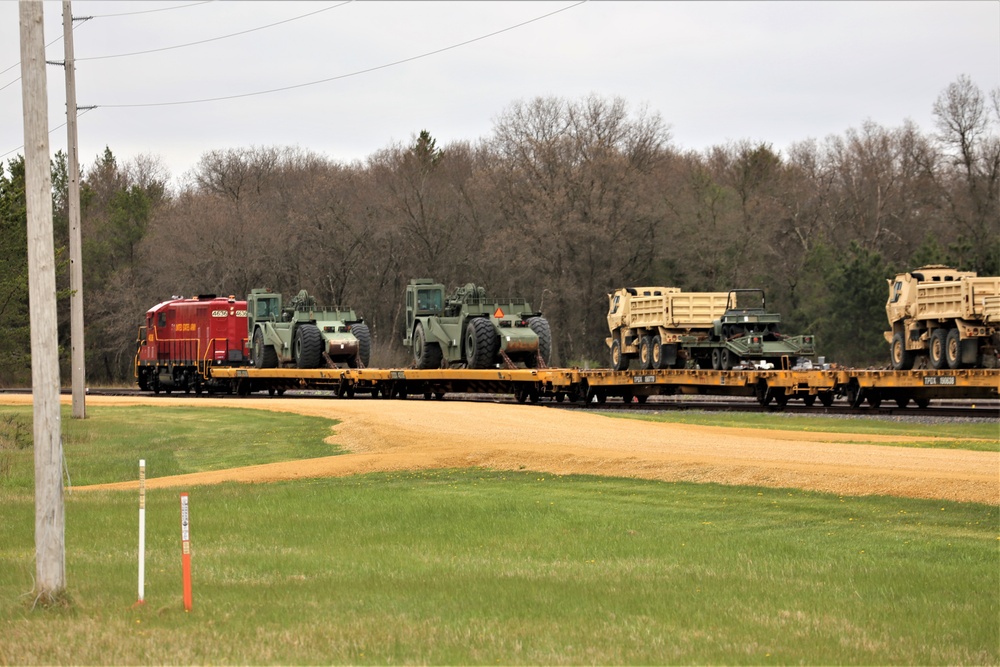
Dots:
pixel 858 386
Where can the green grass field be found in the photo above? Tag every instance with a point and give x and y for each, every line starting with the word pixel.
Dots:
pixel 484 567
pixel 979 435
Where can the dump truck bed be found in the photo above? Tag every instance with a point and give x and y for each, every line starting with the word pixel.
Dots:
pixel 670 308
pixel 969 299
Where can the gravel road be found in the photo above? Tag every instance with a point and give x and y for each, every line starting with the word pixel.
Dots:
pixel 417 434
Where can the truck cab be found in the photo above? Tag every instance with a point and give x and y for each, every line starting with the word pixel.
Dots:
pixel 424 298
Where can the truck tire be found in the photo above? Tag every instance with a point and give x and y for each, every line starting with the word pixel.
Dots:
pixel 953 349
pixel 902 359
pixel 540 326
pixel 645 353
pixel 263 355
pixel 656 353
pixel 619 361
pixel 728 359
pixel 364 336
pixel 425 355
pixel 937 348
pixel 716 358
pixel 480 343
pixel 308 346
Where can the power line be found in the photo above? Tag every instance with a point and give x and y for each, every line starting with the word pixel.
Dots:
pixel 213 39
pixel 57 39
pixel 150 11
pixel 345 76
pixel 102 16
pixel 83 111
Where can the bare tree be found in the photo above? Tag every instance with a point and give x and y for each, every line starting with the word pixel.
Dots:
pixel 970 138
pixel 570 183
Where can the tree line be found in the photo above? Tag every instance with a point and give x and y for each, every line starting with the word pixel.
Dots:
pixel 563 202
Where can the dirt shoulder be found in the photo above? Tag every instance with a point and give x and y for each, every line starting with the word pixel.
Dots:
pixel 417 434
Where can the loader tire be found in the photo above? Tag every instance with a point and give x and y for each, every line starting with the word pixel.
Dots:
pixel 364 336
pixel 540 326
pixel 308 346
pixel 481 343
pixel 264 355
pixel 425 355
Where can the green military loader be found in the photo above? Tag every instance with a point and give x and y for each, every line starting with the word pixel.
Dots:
pixel 471 329
pixel 302 334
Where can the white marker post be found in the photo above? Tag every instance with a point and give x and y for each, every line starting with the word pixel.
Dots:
pixel 142 531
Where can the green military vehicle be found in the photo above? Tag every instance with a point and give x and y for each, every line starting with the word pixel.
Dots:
pixel 471 329
pixel 302 334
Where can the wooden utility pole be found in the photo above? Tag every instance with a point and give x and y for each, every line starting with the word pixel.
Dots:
pixel 50 520
pixel 73 203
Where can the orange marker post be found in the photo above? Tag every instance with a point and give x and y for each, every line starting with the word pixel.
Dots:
pixel 186 550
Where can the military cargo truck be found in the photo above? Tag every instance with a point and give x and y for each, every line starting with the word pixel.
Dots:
pixel 471 329
pixel 952 317
pixel 302 334
pixel 664 327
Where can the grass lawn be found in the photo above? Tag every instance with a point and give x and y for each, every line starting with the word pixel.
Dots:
pixel 484 567
pixel 107 445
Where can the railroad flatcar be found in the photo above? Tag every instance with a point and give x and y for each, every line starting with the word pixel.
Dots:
pixel 182 340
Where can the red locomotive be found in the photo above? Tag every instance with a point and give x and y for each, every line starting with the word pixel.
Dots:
pixel 183 339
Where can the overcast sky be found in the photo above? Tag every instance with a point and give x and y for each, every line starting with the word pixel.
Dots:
pixel 776 72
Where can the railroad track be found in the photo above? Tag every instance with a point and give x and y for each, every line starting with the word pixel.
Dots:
pixel 983 409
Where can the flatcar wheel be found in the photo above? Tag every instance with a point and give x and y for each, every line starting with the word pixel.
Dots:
pixel 922 403
pixel 826 398
pixel 762 393
pixel 873 398
pixel 902 402
pixel 809 400
pixel 854 395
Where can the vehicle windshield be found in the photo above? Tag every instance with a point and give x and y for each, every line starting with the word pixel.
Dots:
pixel 746 300
pixel 429 300
pixel 267 307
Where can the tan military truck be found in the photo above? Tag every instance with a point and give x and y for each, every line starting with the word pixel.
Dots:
pixel 664 327
pixel 951 316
